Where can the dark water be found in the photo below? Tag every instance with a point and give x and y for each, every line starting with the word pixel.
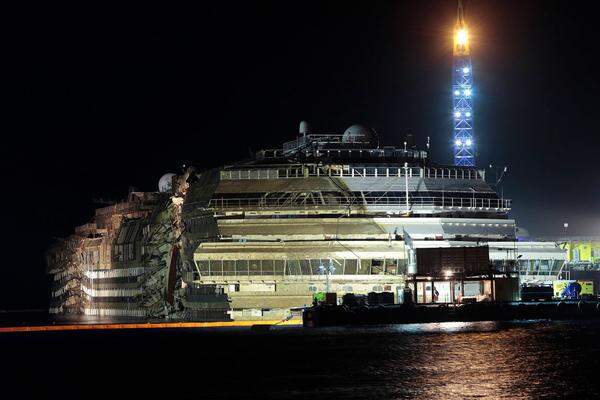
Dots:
pixel 447 360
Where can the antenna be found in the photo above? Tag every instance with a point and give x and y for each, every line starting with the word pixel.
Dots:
pixel 460 15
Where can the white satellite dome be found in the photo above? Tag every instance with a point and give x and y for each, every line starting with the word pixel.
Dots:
pixel 165 183
pixel 304 128
pixel 358 134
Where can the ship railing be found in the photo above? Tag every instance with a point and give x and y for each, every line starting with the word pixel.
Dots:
pixel 468 203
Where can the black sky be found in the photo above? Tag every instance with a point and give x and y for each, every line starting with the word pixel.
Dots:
pixel 100 99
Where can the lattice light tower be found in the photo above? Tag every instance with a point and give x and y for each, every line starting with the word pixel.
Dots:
pixel 462 95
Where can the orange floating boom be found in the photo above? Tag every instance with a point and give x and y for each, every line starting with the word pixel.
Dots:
pixel 158 325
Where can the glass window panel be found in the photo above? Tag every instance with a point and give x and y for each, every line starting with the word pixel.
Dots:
pixel 216 267
pixel 305 267
pixel 202 266
pixel 314 266
pixel 254 267
pixel 279 266
pixel 293 267
pixel 338 266
pixel 228 267
pixel 391 266
pixel 377 267
pixel 241 267
pixel 267 267
pixel 350 267
pixel 365 267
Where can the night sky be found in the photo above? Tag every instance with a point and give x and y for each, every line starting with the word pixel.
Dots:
pixel 99 100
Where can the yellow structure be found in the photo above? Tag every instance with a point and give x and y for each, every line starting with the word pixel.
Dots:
pixel 583 251
pixel 587 287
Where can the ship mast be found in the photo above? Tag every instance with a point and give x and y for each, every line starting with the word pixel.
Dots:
pixel 462 94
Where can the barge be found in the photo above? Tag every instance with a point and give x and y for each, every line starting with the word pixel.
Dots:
pixel 334 315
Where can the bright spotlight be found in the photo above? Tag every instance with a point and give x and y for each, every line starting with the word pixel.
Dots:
pixel 469 142
pixel 462 37
pixel 457 114
pixel 458 142
pixel 466 70
pixel 456 92
pixel 468 92
pixel 467 114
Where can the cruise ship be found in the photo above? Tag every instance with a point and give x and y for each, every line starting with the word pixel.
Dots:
pixel 257 239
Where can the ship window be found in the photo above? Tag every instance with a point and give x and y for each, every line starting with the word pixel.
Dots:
pixel 347 289
pixel 350 267
pixel 377 267
pixel 241 267
pixel 305 267
pixel 118 253
pixel 202 266
pixel 365 267
pixel 279 267
pixel 391 266
pixel 338 266
pixel 314 266
pixel 378 288
pixel 228 267
pixel 216 267
pixel 254 267
pixel 293 267
pixel 312 288
pixel 267 267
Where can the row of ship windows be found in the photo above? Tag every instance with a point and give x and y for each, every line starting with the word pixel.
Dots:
pixel 350 289
pixel 526 266
pixel 310 267
pixel 356 172
pixel 359 194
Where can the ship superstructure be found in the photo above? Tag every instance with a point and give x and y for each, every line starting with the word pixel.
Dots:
pixel 255 239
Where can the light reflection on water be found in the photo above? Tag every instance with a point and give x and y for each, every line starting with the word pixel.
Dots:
pixel 519 360
pixel 449 327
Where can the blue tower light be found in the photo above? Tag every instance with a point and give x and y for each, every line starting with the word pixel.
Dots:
pixel 462 89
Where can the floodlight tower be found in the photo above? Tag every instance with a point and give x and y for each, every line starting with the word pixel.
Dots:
pixel 463 141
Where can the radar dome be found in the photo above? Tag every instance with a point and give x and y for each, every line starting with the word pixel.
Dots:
pixel 358 134
pixel 165 183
